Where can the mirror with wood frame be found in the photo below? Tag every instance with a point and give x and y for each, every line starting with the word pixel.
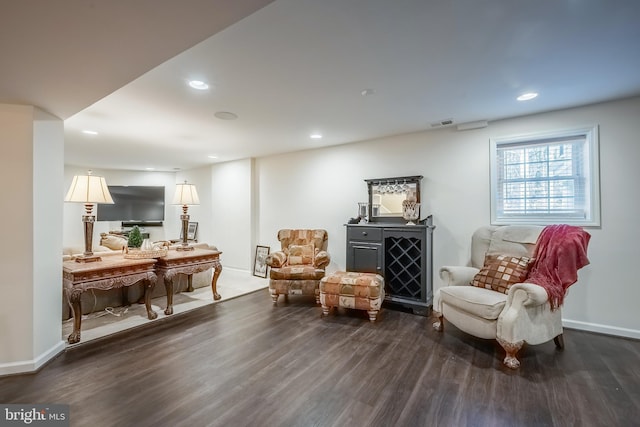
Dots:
pixel 387 194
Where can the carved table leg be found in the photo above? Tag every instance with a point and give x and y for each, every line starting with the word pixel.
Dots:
pixel 168 284
pixel 148 290
pixel 189 282
pixel 217 269
pixel 76 307
pixel 142 296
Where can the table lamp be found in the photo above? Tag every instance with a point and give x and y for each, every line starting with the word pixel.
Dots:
pixel 185 195
pixel 88 189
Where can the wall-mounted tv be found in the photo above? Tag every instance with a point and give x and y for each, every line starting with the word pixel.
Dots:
pixel 134 205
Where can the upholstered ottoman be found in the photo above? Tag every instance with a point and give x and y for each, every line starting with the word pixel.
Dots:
pixel 361 291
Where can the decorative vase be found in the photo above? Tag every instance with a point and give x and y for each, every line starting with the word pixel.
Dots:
pixel 362 210
pixel 410 211
pixel 146 245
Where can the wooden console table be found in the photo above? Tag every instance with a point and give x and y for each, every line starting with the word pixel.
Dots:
pixel 189 263
pixel 112 272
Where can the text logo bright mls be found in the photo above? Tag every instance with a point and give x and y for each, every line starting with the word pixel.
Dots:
pixel 36 415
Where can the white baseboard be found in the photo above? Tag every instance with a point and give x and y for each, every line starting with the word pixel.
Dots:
pixel 30 366
pixel 240 270
pixel 601 329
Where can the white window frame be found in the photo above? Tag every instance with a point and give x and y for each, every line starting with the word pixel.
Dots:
pixel 591 173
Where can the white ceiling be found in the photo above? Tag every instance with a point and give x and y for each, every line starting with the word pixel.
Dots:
pixel 296 67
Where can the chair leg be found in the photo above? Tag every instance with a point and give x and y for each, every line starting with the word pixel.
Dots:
pixel 274 297
pixel 325 310
pixel 438 325
pixel 559 341
pixel 512 349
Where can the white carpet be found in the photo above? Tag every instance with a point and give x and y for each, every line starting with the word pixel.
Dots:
pixel 231 284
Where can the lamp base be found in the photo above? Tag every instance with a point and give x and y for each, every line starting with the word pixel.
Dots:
pixel 185 248
pixel 88 258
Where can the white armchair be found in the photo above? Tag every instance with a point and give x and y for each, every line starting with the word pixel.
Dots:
pixel 521 314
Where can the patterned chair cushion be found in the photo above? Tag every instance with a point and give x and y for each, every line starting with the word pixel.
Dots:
pixel 296 272
pixel 288 237
pixel 301 254
pixel 500 272
pixel 293 287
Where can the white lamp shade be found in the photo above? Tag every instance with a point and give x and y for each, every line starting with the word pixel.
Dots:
pixel 186 194
pixel 89 189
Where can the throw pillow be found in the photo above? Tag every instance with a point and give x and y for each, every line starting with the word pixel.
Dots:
pixel 500 272
pixel 301 254
pixel 115 243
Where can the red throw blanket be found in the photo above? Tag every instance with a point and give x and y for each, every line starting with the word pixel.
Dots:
pixel 561 250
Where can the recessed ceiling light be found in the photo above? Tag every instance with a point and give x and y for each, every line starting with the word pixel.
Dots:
pixel 527 96
pixel 213 157
pixel 90 132
pixel 198 84
pixel 367 92
pixel 150 169
pixel 315 136
pixel 225 115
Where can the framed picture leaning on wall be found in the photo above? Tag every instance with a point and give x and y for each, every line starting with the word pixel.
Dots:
pixel 192 231
pixel 260 262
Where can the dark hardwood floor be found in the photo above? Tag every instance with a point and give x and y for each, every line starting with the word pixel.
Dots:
pixel 244 362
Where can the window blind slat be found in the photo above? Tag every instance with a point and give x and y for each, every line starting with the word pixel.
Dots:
pixel 545 177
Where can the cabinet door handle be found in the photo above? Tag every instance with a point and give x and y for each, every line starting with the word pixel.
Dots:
pixel 363 247
pixel 364 233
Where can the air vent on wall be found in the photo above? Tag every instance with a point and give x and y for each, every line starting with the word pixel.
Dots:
pixel 473 125
pixel 441 123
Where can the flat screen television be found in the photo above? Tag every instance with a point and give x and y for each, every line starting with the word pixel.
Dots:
pixel 134 205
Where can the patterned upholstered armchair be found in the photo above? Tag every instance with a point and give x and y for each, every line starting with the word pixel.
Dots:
pixel 299 266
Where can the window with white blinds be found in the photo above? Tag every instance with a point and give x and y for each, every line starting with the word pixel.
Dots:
pixel 546 178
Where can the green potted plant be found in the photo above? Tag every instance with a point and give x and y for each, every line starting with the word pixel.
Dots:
pixel 135 238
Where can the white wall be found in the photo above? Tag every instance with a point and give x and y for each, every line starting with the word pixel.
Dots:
pixel 244 203
pixel 72 222
pixel 30 285
pixel 201 213
pixel 16 260
pixel 48 174
pixel 231 213
pixel 321 188
pixel 224 215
